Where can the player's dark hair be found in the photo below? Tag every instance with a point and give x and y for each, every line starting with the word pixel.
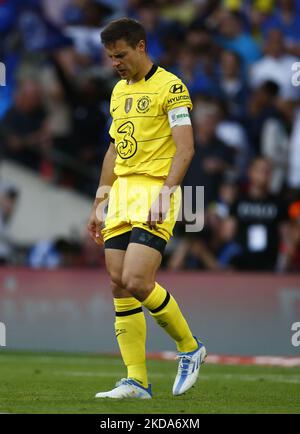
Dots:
pixel 127 29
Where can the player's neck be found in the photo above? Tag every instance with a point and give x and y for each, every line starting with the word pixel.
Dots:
pixel 143 71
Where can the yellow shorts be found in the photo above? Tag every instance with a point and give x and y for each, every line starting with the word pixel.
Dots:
pixel 130 200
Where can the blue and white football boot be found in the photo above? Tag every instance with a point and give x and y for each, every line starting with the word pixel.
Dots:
pixel 127 388
pixel 188 369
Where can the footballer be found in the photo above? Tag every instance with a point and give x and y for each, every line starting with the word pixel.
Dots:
pixel 151 147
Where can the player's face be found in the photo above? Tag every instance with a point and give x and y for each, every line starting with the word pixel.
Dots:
pixel 125 59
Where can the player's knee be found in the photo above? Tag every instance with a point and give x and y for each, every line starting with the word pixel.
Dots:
pixel 114 288
pixel 138 286
pixel 119 292
pixel 116 281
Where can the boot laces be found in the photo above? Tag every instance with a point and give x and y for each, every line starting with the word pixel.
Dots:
pixel 185 365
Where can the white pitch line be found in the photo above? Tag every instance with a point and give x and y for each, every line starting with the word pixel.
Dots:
pixel 60 359
pixel 247 377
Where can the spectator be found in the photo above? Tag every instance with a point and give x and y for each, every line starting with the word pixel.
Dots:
pixel 261 5
pixel 161 32
pixel 261 108
pixel 8 201
pixel 212 157
pixel 210 249
pixel 36 32
pixel 233 134
pixel 275 65
pixel 6 90
pixel 88 127
pixel 84 34
pixel 10 58
pixel 55 10
pixel 148 14
pixel 7 18
pixel 54 254
pixel 276 143
pixel 289 257
pixel 206 8
pixel 232 86
pixel 233 37
pixel 293 178
pixel 286 18
pixel 181 11
pixel 199 38
pixel 258 12
pixel 26 131
pixel 257 219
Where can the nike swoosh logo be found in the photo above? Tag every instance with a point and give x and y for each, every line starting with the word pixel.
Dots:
pixel 114 109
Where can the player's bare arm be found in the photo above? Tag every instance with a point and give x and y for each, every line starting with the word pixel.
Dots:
pixel 107 178
pixel 184 140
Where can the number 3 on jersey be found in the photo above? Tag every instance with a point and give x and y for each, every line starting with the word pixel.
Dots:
pixel 128 146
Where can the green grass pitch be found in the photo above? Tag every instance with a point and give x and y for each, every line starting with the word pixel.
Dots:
pixel 67 383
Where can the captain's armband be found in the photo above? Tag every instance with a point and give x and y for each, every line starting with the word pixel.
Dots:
pixel 179 116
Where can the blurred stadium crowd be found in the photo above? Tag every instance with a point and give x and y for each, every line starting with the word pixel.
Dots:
pixel 239 61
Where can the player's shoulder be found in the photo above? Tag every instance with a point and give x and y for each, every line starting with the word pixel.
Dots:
pixel 173 91
pixel 164 77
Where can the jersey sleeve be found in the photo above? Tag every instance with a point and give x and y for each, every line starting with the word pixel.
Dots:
pixel 176 94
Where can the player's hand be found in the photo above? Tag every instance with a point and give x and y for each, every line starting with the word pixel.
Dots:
pixel 95 224
pixel 159 209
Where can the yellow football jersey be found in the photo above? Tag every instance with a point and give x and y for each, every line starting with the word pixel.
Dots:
pixel 140 126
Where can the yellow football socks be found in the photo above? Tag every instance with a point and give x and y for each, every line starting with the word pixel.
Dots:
pixel 165 310
pixel 130 328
